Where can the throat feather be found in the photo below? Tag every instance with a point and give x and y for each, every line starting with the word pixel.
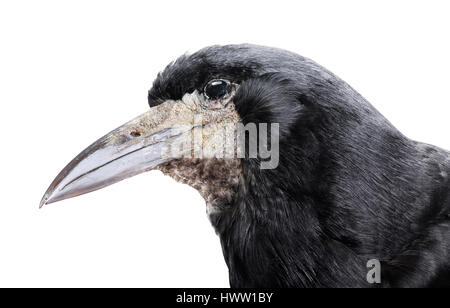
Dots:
pixel 215 179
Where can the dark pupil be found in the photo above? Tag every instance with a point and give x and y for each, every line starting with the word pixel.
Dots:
pixel 216 89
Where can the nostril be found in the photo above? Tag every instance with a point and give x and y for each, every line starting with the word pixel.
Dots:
pixel 135 133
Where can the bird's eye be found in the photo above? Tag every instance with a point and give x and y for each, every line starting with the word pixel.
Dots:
pixel 217 88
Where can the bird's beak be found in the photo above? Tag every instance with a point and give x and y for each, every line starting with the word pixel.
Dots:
pixel 140 145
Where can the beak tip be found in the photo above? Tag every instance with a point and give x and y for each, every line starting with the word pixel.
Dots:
pixel 43 202
pixel 46 199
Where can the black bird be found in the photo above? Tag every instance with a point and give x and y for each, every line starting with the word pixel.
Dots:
pixel 347 188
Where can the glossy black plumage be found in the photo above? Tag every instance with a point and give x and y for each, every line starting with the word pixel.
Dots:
pixel 349 187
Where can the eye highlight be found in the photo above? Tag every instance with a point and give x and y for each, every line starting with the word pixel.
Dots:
pixel 217 88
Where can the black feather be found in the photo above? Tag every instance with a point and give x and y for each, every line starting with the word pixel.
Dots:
pixel 349 187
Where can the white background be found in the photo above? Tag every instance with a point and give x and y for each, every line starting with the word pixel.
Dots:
pixel 70 71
